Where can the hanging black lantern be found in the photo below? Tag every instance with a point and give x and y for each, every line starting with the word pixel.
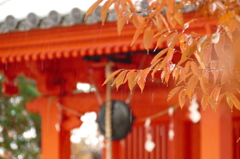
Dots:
pixel 122 119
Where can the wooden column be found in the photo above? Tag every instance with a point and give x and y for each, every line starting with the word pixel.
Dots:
pixel 65 144
pixel 55 141
pixel 216 133
pixel 50 130
pixel 176 144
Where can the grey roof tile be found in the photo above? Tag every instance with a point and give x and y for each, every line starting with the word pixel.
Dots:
pixel 33 21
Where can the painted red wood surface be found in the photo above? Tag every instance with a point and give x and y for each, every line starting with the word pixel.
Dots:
pixel 78 40
pixel 184 145
pixel 55 141
pixel 236 138
pixel 54 58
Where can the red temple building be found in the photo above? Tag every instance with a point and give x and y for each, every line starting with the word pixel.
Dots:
pixel 59 51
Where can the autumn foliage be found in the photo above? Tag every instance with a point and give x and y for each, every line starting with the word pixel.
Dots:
pixel 209 64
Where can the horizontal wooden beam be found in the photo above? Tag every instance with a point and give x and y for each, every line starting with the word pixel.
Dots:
pixel 78 40
pixel 143 105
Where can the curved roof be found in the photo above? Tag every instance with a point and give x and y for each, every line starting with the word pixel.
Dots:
pixel 21 8
pixel 76 40
pixel 25 15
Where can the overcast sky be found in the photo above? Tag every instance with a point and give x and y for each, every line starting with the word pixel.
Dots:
pixel 20 8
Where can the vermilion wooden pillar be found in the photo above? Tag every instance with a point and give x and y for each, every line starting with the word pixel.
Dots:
pixel 65 144
pixel 216 133
pixel 55 141
pixel 176 144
